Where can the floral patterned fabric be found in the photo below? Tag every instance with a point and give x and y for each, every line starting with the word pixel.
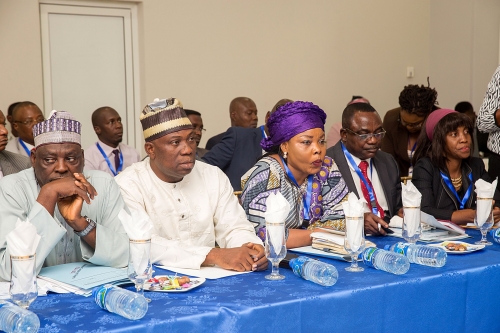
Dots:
pixel 267 176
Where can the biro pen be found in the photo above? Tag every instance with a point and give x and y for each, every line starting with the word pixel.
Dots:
pixel 346 258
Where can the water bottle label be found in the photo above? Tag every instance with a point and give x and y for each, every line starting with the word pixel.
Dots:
pixel 297 264
pixel 367 256
pixel 401 248
pixel 495 234
pixel 100 295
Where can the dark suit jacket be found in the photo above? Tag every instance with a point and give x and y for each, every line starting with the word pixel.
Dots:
pixel 437 198
pixel 238 151
pixel 387 171
pixel 214 140
pixel 13 163
pixel 395 141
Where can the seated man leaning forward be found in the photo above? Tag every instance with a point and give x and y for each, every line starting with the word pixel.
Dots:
pixel 191 204
pixel 75 213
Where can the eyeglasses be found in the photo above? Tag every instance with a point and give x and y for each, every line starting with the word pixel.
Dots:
pixel 412 125
pixel 30 122
pixel 365 137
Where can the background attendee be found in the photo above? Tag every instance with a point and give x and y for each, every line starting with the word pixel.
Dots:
pixel 75 212
pixel 190 203
pixel 403 124
pixel 109 154
pixel 334 132
pixel 197 121
pixel 24 116
pixel 13 131
pixel 296 167
pixel 445 171
pixel 9 162
pixel 239 150
pixel 488 121
pixel 368 171
pixel 467 109
pixel 243 113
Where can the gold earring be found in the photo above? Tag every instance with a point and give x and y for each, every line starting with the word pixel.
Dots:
pixel 285 154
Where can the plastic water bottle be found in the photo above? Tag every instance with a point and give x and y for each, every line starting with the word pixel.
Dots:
pixel 314 270
pixel 121 301
pixel 16 319
pixel 495 234
pixel 420 254
pixel 391 262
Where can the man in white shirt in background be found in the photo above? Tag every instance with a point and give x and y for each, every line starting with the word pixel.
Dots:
pixel 24 116
pixel 191 204
pixel 109 154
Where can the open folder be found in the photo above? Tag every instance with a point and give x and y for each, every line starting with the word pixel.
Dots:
pixel 432 230
pixel 81 277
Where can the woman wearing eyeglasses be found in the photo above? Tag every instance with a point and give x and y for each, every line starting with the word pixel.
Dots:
pixel 403 125
pixel 445 171
pixel 296 166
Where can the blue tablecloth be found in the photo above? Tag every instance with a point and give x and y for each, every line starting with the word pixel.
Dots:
pixel 459 297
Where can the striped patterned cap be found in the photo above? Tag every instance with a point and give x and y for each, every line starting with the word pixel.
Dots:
pixel 163 117
pixel 60 127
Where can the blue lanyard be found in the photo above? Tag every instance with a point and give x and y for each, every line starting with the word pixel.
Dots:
pixel 411 152
pixel 452 189
pixel 264 135
pixel 120 165
pixel 307 198
pixel 373 201
pixel 28 152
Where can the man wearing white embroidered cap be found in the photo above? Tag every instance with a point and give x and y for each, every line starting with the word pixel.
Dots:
pixel 75 213
pixel 191 203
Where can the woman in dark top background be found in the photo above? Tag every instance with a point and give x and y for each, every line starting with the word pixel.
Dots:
pixel 403 125
pixel 445 171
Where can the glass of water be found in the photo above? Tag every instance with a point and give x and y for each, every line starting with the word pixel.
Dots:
pixel 23 288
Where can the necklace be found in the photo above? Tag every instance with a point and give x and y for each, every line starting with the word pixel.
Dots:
pixel 457 183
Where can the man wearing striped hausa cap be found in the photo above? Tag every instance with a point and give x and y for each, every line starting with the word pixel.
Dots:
pixel 190 203
pixel 74 212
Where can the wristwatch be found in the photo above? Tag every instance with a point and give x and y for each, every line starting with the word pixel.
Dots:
pixel 88 229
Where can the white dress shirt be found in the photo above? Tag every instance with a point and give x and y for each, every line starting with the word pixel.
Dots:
pixel 95 161
pixel 189 216
pixel 15 146
pixel 373 176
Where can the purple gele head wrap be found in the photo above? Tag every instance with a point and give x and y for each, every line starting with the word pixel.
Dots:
pixel 291 119
pixel 434 118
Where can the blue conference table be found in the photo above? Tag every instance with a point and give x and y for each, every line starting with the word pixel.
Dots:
pixel 462 296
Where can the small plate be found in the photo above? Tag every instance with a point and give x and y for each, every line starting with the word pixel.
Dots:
pixel 160 283
pixel 469 247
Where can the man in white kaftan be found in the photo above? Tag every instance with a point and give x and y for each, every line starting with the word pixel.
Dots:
pixel 75 213
pixel 191 204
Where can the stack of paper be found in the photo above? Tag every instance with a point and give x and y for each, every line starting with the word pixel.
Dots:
pixel 43 288
pixel 332 242
pixel 80 277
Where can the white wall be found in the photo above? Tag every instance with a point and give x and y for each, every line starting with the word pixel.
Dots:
pixel 464 46
pixel 207 52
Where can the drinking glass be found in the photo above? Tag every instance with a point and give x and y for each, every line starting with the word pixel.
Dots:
pixel 411 213
pixel 275 248
pixel 352 249
pixel 23 288
pixel 484 222
pixel 139 264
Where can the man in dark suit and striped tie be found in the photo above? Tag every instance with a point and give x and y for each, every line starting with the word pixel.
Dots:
pixel 368 172
pixel 9 162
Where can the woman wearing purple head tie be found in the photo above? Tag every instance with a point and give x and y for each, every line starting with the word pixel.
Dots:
pixel 296 166
pixel 445 171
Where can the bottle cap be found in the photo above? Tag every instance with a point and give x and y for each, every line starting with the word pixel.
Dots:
pixel 387 247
